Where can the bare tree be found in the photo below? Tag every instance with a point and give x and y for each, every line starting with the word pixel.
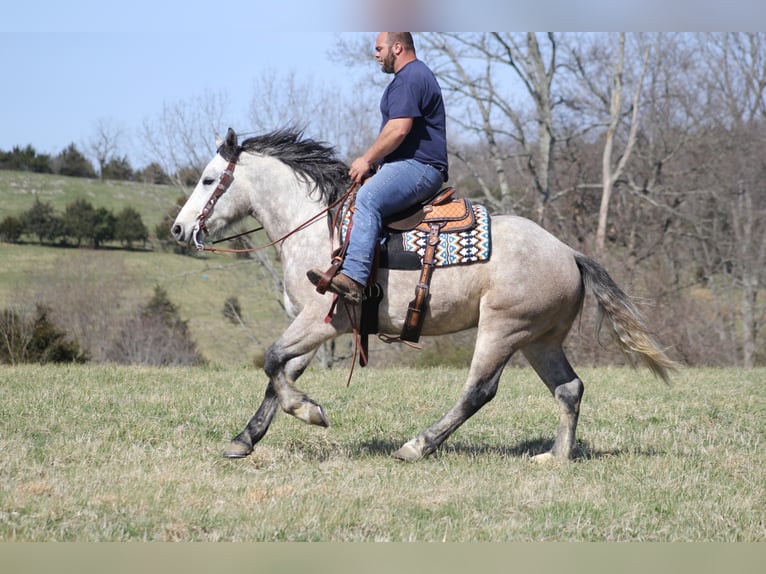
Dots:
pixel 610 172
pixel 344 116
pixel 105 142
pixel 484 73
pixel 182 136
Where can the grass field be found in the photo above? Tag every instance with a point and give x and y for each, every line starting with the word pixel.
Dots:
pixel 18 191
pixel 103 453
pixel 114 282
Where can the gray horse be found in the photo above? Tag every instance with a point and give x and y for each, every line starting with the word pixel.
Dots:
pixel 524 299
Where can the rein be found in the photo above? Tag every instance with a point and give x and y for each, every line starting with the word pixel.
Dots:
pixel 227 177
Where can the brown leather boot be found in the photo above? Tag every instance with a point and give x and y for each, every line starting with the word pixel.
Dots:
pixel 341 284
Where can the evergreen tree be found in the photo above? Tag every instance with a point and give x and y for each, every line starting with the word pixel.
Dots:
pixel 129 227
pixel 36 339
pixel 25 159
pixel 80 220
pixel 153 173
pixel 11 229
pixel 117 169
pixel 73 163
pixel 40 220
pixel 104 227
pixel 157 336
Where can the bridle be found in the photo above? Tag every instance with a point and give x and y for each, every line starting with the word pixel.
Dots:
pixel 224 182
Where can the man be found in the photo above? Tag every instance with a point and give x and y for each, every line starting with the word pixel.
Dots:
pixel 410 153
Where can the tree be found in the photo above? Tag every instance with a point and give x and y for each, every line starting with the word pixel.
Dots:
pixel 104 227
pixel 117 168
pixel 40 220
pixel 104 144
pixel 156 335
pixel 80 220
pixel 73 163
pixel 25 159
pixel 129 227
pixel 11 229
pixel 481 71
pixel 612 101
pixel 36 339
pixel 153 173
pixel 83 221
pixel 348 121
pixel 232 310
pixel 182 136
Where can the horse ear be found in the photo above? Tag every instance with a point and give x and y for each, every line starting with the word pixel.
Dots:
pixel 231 138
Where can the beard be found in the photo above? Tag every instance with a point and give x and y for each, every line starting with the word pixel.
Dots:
pixel 387 63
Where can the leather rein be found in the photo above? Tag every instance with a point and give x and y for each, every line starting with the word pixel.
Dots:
pixel 224 183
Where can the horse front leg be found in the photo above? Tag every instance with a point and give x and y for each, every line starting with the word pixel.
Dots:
pixel 285 362
pixel 292 400
pixel 242 444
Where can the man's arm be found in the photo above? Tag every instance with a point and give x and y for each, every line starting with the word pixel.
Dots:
pixel 389 138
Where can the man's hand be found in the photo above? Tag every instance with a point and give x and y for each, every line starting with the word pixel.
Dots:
pixel 359 169
pixel 389 138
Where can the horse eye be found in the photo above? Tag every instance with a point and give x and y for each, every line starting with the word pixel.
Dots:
pixel 208 181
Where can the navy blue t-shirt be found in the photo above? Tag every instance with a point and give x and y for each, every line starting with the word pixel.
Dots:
pixel 415 93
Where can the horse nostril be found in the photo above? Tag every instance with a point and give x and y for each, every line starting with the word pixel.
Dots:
pixel 177 231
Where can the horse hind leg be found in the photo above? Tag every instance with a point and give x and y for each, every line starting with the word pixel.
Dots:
pixel 550 363
pixel 480 388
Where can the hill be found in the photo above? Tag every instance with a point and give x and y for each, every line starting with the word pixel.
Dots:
pixel 90 290
pixel 19 189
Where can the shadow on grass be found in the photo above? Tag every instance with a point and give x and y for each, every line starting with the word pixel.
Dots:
pixel 527 448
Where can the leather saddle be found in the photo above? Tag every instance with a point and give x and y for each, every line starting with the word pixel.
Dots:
pixel 450 213
pixel 442 213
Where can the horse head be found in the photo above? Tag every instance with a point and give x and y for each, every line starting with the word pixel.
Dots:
pixel 210 208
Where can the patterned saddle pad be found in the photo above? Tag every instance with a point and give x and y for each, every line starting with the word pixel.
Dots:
pixel 405 250
pixel 454 248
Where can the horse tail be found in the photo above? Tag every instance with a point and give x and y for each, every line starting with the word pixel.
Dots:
pixel 625 322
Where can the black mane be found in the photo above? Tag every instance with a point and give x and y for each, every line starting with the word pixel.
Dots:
pixel 316 161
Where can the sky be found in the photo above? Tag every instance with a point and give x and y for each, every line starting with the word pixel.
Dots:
pixel 64 66
pixel 58 85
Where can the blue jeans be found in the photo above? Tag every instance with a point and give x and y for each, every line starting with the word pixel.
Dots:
pixel 395 187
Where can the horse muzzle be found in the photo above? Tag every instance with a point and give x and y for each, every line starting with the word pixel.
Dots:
pixel 195 236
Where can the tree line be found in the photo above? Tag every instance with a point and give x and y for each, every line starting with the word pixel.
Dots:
pixel 155 334
pixel 80 223
pixel 72 162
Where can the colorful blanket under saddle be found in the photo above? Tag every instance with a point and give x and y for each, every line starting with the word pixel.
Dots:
pixel 457 248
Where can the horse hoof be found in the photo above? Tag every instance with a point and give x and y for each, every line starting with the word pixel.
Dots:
pixel 544 458
pixel 311 413
pixel 237 449
pixel 408 453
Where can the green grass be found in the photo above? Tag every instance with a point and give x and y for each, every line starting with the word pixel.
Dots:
pixel 18 191
pixel 95 453
pixel 116 282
